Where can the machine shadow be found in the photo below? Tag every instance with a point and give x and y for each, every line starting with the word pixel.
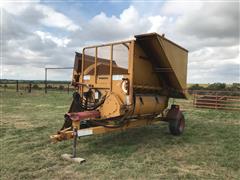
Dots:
pixel 129 141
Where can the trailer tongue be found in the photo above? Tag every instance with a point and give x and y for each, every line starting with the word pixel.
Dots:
pixel 124 85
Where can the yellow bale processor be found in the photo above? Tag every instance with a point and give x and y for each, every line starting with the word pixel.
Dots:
pixel 126 84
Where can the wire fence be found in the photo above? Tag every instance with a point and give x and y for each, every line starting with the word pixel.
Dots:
pixel 32 86
pixel 224 100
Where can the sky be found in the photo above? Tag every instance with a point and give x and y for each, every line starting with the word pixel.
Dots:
pixel 39 34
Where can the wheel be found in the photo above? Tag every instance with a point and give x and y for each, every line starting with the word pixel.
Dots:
pixel 176 122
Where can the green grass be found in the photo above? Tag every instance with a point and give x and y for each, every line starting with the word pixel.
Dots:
pixel 209 148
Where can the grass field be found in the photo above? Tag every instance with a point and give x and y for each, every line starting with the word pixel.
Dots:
pixel 209 148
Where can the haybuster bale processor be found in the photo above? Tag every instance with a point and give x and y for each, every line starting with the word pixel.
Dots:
pixel 125 84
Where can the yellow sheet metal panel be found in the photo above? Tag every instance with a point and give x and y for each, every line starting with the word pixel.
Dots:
pixel 169 62
pixel 177 58
pixel 150 104
pixel 143 72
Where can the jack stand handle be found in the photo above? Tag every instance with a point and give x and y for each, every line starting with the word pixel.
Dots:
pixel 74 142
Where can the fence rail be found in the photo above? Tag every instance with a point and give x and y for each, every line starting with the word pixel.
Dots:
pixel 217 100
pixel 21 86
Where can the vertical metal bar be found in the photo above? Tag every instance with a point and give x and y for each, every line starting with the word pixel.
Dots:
pixel 30 88
pixel 83 61
pixel 216 105
pixel 17 86
pixel 82 70
pixel 45 80
pixel 68 88
pixel 74 142
pixel 111 70
pixel 95 67
pixel 194 96
pixel 131 70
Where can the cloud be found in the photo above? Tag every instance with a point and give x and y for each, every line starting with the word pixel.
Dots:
pixel 101 27
pixel 37 35
pixel 45 36
pixel 214 72
pixel 53 18
pixel 215 53
pixel 213 19
pixel 179 8
pixel 34 13
pixel 157 22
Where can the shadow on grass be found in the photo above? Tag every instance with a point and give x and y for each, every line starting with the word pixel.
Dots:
pixel 129 141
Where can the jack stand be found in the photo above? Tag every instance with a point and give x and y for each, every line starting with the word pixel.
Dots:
pixel 72 157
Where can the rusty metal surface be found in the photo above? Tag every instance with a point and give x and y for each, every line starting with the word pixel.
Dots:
pixel 216 100
pixel 78 116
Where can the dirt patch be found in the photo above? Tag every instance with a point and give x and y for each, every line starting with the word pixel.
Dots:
pixel 22 125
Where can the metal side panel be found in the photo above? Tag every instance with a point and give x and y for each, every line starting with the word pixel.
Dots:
pixel 169 60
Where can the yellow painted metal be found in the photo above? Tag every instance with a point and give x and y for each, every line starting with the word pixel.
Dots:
pixel 150 104
pixel 112 107
pixel 143 70
pixel 169 60
pixel 111 67
pixel 157 70
pixel 134 123
pixel 62 135
pixel 131 124
pixel 177 58
pixel 95 65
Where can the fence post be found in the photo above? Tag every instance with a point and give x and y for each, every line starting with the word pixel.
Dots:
pixel 5 87
pixel 45 80
pixel 216 107
pixel 30 88
pixel 68 88
pixel 17 86
pixel 194 98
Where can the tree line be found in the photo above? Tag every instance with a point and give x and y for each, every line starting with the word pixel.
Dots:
pixel 216 87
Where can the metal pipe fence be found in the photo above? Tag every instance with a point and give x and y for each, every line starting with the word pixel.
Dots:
pixel 31 86
pixel 225 100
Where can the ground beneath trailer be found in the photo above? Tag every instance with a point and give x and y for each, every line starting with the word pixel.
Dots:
pixel 208 149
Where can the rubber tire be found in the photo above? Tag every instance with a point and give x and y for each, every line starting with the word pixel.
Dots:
pixel 177 124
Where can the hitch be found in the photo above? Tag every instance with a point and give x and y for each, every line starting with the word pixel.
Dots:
pixel 72 157
pixel 72 132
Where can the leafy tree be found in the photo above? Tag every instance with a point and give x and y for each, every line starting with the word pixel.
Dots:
pixel 217 86
pixel 35 86
pixel 61 87
pixel 196 87
pixel 235 87
pixel 49 86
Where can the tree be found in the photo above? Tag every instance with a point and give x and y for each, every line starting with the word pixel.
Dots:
pixel 217 86
pixel 196 87
pixel 35 86
pixel 61 87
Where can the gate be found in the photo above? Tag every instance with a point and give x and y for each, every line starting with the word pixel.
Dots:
pixel 226 100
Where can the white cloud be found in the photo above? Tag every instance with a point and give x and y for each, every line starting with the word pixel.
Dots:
pixel 208 30
pixel 53 18
pixel 47 16
pixel 218 54
pixel 177 8
pixel 111 28
pixel 213 19
pixel 45 36
pixel 157 23
pixel 129 16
